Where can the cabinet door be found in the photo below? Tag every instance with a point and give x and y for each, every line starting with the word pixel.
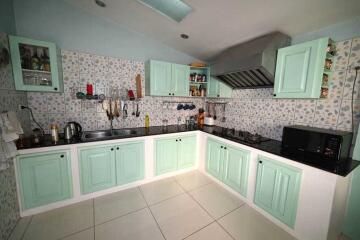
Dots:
pixel 44 178
pixel 187 151
pixel 180 80
pixel 299 70
pixel 214 164
pixel 277 189
pixel 236 168
pixel 224 90
pixel 213 88
pixel 97 168
pixel 129 162
pixel 166 154
pixel 30 78
pixel 160 78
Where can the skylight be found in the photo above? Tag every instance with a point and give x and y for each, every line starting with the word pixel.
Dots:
pixel 174 9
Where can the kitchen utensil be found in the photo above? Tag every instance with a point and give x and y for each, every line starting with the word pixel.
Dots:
pixel 101 97
pixel 138 86
pixel 137 110
pixel 179 106
pixel 192 107
pixel 223 119
pixel 131 95
pixel 133 108
pixel 76 129
pixel 116 108
pixel 186 107
pixel 214 111
pixel 125 108
pixel 209 121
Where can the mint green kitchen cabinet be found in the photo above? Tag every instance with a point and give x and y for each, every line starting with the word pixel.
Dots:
pixel 44 178
pixel 180 80
pixel 166 79
pixel 97 168
pixel 277 189
pixel 228 164
pixel 174 153
pixel 44 75
pixel 300 70
pixel 218 89
pixel 129 162
pixel 158 78
pixel 186 152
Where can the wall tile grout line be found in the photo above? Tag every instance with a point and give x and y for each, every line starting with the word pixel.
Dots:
pixel 152 213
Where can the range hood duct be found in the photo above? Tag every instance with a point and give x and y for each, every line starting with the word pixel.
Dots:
pixel 250 64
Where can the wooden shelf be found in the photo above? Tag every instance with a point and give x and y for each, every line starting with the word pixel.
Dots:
pixel 197 83
pixel 35 71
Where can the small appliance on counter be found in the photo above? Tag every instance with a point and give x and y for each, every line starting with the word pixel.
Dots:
pixel 316 144
pixel 209 121
pixel 72 130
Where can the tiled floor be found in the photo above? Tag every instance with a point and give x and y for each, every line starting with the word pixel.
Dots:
pixel 189 206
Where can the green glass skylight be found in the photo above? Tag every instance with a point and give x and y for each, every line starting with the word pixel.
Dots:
pixel 174 9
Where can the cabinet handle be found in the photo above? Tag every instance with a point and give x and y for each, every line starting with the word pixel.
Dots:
pixel 225 148
pixel 222 147
pixel 112 149
pixel 169 94
pixel 55 89
pixel 117 148
pixel 180 139
pixel 260 162
pixel 173 94
pixel 62 155
pixel 218 95
pixel 176 140
pixel 274 95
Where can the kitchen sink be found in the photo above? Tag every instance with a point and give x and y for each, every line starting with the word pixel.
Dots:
pixel 106 134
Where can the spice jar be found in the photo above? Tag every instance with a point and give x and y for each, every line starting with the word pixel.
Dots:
pixel 54 133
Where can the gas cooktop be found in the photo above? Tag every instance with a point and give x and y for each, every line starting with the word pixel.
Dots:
pixel 245 136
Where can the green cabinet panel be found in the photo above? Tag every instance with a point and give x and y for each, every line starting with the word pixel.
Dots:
pixel 97 168
pixel 299 70
pixel 228 164
pixel 277 189
pixel 180 79
pixel 129 162
pixel 186 152
pixel 236 168
pixel 218 89
pixel 44 178
pixel 214 153
pixel 158 78
pixel 175 153
pixel 28 78
pixel 166 154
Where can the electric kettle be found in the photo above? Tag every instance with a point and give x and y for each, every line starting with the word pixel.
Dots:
pixel 75 129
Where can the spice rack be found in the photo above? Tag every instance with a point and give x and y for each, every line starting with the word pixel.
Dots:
pixel 327 71
pixel 198 80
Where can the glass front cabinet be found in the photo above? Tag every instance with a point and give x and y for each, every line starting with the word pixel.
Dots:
pixel 36 65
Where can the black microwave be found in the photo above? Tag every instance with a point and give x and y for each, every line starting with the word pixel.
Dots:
pixel 316 144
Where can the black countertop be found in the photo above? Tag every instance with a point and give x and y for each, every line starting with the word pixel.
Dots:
pixel 271 146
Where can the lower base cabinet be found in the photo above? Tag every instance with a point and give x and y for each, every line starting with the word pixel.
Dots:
pixel 228 164
pixel 110 165
pixel 174 153
pixel 277 189
pixel 44 178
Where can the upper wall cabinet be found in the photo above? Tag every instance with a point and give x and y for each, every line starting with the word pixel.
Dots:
pixel 35 65
pixel 218 89
pixel 303 70
pixel 166 79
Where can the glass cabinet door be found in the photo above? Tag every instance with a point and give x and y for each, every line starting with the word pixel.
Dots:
pixel 35 65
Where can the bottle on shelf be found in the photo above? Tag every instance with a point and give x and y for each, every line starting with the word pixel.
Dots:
pixel 45 62
pixel 35 61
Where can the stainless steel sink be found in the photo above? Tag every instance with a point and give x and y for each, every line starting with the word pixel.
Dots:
pixel 106 134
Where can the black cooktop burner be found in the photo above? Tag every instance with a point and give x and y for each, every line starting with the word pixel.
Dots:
pixel 246 136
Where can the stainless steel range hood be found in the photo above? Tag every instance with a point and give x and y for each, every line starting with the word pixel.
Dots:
pixel 250 64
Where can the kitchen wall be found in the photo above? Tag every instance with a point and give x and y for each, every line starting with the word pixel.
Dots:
pixel 255 110
pixel 104 73
pixel 75 29
pixel 7 21
pixel 9 100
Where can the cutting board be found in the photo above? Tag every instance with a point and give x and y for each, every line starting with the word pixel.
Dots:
pixel 138 86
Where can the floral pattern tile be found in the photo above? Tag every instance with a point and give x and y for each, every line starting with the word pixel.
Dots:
pixel 327 112
pixel 304 111
pixel 100 64
pixel 344 121
pixel 348 87
pixel 85 63
pixel 89 122
pixel 342 55
pixel 71 81
pixel 38 102
pixel 55 103
pixel 336 84
pixel 354 59
pixel 70 61
pixel 72 105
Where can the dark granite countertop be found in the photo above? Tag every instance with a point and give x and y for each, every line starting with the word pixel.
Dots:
pixel 271 146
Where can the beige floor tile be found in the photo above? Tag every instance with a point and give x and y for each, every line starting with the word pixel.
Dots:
pixel 216 200
pixel 139 225
pixel 247 224
pixel 160 190
pixel 61 222
pixel 211 232
pixel 20 228
pixel 83 235
pixel 192 180
pixel 118 204
pixel 180 216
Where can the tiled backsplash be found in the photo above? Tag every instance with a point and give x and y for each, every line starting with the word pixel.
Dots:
pixel 104 73
pixel 255 110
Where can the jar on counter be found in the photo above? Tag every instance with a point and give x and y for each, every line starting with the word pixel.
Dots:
pixel 54 133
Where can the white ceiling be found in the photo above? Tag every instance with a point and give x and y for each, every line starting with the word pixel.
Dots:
pixel 215 25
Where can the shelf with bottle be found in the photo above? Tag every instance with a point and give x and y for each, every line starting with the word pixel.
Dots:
pixel 328 65
pixel 35 58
